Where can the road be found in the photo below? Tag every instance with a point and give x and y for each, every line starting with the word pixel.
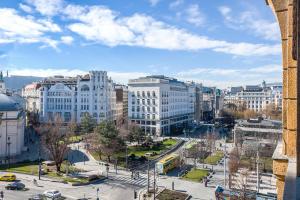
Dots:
pixel 109 189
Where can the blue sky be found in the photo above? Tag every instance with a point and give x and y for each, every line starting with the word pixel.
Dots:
pixel 217 42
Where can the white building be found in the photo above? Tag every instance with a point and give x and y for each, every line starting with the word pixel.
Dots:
pixel 160 105
pixel 256 97
pixel 2 84
pixel 72 97
pixel 31 94
pixel 12 126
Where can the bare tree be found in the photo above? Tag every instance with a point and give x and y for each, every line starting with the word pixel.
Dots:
pixel 233 164
pixel 55 140
pixel 242 184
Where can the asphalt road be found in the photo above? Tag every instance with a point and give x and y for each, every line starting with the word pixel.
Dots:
pixel 109 190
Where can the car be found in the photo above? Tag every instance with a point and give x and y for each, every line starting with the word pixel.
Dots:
pixel 15 186
pixel 37 197
pixel 8 177
pixel 52 194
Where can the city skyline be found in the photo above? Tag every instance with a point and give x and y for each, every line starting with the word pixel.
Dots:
pixel 211 43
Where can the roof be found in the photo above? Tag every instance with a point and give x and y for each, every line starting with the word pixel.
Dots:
pixel 8 104
pixel 33 86
pixel 167 158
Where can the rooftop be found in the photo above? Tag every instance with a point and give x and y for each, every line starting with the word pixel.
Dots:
pixel 8 103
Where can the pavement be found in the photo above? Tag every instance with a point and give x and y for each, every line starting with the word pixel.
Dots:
pixel 109 189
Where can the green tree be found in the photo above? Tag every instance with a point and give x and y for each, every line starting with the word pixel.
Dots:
pixel 135 133
pixel 87 123
pixel 107 140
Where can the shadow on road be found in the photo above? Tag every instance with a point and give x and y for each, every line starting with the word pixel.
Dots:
pixel 75 156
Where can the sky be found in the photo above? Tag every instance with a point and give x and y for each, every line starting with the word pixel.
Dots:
pixel 219 43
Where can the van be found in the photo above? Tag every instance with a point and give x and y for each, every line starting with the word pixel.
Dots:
pixel 8 177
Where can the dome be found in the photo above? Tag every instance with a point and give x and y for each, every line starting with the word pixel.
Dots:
pixel 8 104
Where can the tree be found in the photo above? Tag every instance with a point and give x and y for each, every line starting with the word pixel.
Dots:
pixel 87 123
pixel 272 111
pixel 135 133
pixel 233 163
pixel 197 151
pixel 73 127
pixel 106 139
pixel 55 140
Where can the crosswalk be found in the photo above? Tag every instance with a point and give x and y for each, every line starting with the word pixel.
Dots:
pixel 141 181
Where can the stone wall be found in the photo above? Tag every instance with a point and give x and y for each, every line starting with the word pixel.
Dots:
pixel 287 14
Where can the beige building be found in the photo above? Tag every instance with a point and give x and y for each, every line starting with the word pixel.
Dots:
pixel 286 158
pixel 31 93
pixel 121 104
pixel 12 126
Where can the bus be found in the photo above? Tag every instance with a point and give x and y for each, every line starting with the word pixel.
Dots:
pixel 168 163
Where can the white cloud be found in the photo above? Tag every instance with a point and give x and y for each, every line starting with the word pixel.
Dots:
pixel 16 28
pixel 25 8
pixel 249 20
pixel 117 76
pixel 67 39
pixel 175 4
pixel 47 7
pixel 225 11
pixel 267 69
pixel 223 77
pixel 2 56
pixel 154 2
pixel 102 25
pixel 194 15
pixel 247 49
pixel 45 72
pixel 123 77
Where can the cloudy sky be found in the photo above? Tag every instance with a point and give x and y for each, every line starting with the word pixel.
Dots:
pixel 216 42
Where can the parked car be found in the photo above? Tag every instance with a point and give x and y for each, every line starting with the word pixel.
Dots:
pixel 8 177
pixel 52 194
pixel 15 186
pixel 38 197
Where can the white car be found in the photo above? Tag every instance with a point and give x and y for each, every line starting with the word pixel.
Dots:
pixel 52 194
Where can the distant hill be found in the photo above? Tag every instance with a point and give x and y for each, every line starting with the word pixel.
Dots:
pixel 17 82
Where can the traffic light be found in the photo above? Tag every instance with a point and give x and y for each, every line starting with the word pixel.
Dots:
pixel 135 194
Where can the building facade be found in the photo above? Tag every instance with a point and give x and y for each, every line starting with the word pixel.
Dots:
pixel 31 94
pixel 256 97
pixel 12 127
pixel 121 107
pixel 160 105
pixel 2 84
pixel 71 98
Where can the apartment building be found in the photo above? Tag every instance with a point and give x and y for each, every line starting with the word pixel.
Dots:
pixel 257 97
pixel 161 105
pixel 73 97
pixel 31 94
pixel 121 108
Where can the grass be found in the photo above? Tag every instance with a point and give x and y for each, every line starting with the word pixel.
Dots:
pixel 75 139
pixel 141 151
pixel 171 195
pixel 24 168
pixel 196 175
pixel 214 159
pixel 32 169
pixel 266 163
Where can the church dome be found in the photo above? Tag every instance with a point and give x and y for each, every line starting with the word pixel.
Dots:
pixel 8 104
